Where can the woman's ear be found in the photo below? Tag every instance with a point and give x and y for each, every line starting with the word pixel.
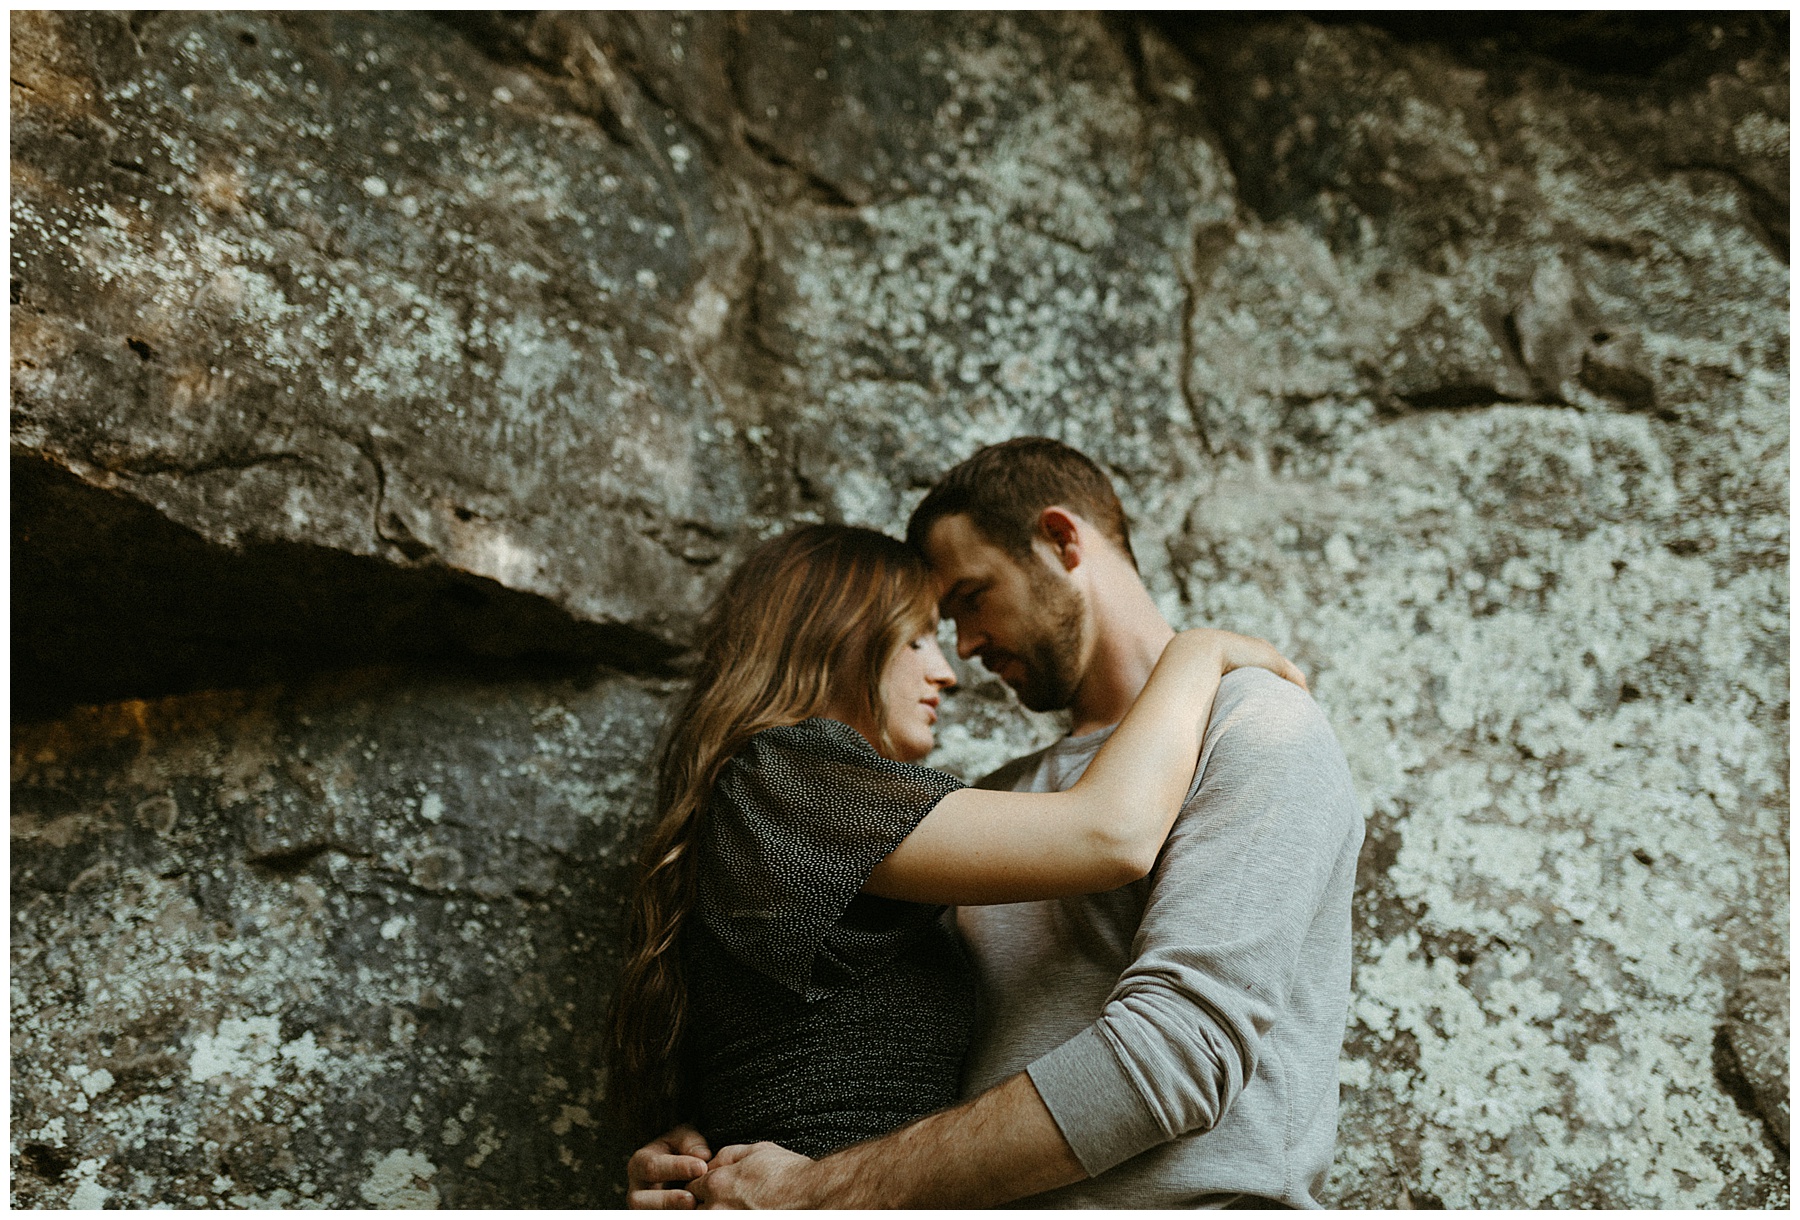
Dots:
pixel 1063 530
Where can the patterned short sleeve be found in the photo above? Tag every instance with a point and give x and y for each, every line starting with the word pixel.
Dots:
pixel 797 821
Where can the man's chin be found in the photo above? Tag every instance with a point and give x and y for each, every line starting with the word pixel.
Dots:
pixel 1008 671
pixel 1036 699
pixel 1034 694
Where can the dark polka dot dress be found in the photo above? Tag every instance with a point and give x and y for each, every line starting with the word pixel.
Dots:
pixel 818 1015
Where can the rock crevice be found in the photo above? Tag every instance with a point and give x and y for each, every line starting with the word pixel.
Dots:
pixel 391 391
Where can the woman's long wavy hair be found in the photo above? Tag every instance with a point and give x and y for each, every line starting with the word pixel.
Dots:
pixel 807 623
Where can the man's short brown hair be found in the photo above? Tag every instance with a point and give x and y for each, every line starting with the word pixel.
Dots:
pixel 1003 488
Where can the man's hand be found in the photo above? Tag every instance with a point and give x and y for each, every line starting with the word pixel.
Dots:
pixel 758 1176
pixel 659 1172
pixel 1001 1146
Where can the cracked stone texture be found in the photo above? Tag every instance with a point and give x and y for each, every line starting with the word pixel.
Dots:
pixel 1457 371
pixel 339 946
pixel 1759 1036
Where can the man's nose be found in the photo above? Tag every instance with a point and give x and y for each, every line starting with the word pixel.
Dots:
pixel 966 643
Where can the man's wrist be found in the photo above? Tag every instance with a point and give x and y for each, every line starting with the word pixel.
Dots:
pixel 835 1182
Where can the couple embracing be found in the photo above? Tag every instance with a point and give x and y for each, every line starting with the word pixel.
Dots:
pixel 1140 993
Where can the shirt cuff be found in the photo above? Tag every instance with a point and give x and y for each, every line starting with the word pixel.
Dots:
pixel 1098 1108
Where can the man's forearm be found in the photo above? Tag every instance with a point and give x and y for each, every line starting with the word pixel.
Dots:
pixel 1000 1146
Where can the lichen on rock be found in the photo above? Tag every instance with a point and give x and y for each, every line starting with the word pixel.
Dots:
pixel 391 391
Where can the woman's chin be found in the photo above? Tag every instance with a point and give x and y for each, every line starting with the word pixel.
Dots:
pixel 914 747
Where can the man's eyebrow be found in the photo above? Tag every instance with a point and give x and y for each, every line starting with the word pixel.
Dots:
pixel 957 593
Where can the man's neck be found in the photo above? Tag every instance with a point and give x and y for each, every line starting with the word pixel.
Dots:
pixel 1130 634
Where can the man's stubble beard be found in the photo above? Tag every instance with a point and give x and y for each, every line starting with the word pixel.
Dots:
pixel 1053 659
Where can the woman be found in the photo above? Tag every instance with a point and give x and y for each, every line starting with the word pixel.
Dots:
pixel 787 977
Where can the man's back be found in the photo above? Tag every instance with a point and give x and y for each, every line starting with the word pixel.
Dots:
pixel 1184 1030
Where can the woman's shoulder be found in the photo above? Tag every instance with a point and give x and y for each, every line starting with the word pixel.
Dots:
pixel 815 745
pixel 798 819
pixel 820 747
pixel 821 771
pixel 814 735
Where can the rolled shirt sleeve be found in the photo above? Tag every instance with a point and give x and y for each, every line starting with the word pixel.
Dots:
pixel 1224 948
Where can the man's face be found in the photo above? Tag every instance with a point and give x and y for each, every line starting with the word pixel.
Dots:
pixel 1023 620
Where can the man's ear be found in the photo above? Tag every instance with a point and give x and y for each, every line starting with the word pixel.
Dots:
pixel 1063 530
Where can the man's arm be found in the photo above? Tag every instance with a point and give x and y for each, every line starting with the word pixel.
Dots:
pixel 1002 1145
pixel 1230 903
pixel 1225 953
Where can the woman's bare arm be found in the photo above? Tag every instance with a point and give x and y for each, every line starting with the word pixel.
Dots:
pixel 978 846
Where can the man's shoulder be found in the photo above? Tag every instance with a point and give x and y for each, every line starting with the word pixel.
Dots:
pixel 1257 685
pixel 1270 746
pixel 1016 774
pixel 1256 708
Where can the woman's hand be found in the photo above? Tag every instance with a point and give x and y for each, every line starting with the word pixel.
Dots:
pixel 979 847
pixel 659 1175
pixel 1228 650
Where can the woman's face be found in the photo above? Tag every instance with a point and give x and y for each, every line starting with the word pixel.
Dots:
pixel 911 686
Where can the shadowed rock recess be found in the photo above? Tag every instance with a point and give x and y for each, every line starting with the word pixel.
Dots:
pixel 390 392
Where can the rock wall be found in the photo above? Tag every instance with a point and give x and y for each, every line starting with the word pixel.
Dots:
pixel 389 393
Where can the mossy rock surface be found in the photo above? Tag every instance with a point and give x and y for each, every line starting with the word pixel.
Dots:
pixel 391 392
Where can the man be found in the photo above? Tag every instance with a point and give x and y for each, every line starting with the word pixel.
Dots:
pixel 1171 1043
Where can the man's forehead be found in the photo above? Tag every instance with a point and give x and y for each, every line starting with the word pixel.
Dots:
pixel 954 547
pixel 962 561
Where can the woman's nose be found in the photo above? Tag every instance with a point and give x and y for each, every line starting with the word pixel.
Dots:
pixel 938 671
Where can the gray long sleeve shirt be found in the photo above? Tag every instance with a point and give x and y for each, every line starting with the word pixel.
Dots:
pixel 1184 1030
